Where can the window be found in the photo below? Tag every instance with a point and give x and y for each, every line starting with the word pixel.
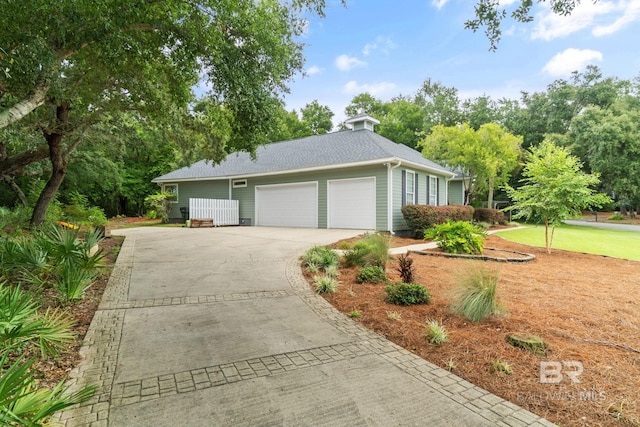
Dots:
pixel 239 183
pixel 433 191
pixel 171 188
pixel 410 187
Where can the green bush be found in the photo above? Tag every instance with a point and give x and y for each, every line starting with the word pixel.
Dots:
pixel 356 255
pixel 422 217
pixel 321 257
pixel 372 249
pixel 371 274
pixel 407 294
pixel 616 217
pixel 78 211
pixel 152 214
pixel 161 203
pixel 475 296
pixel 492 216
pixel 459 237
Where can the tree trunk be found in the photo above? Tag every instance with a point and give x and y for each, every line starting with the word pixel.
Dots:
pixel 490 201
pixel 58 168
pixel 546 235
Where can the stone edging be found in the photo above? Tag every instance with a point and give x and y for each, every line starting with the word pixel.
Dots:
pixel 525 256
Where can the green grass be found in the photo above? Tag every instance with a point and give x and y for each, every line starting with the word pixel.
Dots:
pixel 599 241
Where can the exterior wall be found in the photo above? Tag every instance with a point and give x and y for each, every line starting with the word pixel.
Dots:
pixel 456 193
pixel 246 195
pixel 203 189
pixel 422 177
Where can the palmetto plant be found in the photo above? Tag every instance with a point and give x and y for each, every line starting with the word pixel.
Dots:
pixel 21 324
pixel 23 403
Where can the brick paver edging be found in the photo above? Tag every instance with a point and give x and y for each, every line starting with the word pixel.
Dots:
pixel 495 409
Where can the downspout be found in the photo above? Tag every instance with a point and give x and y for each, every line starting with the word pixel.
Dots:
pixel 390 195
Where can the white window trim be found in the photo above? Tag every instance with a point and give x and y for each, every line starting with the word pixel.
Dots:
pixel 433 190
pixel 177 193
pixel 239 183
pixel 412 190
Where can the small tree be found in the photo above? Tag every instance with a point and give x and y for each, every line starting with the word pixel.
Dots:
pixel 554 188
pixel 161 203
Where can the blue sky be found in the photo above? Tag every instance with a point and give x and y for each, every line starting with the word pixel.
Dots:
pixel 389 48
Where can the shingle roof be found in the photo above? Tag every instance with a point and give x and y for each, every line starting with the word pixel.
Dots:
pixel 337 148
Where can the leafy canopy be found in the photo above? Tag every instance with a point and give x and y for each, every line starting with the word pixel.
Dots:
pixel 554 188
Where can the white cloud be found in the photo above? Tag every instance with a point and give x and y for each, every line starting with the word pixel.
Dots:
pixel 375 89
pixel 569 60
pixel 346 62
pixel 383 44
pixel 313 70
pixel 602 18
pixel 439 4
pixel 630 13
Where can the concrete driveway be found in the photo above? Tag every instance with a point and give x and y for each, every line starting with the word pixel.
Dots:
pixel 217 327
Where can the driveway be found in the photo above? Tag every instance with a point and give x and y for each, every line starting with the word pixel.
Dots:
pixel 208 327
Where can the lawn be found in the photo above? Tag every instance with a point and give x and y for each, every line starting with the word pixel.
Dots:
pixel 598 241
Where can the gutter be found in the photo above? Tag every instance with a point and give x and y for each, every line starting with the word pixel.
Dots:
pixel 390 194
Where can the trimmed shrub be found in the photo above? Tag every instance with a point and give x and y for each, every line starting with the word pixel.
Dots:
pixel 492 216
pixel 459 237
pixel 322 257
pixel 421 217
pixel 407 294
pixel 371 274
pixel 356 255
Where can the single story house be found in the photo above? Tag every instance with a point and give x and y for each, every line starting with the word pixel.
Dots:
pixel 354 179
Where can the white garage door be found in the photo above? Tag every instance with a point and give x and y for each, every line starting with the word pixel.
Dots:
pixel 288 205
pixel 352 203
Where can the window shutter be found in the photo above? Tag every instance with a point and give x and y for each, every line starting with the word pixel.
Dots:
pixel 415 188
pixel 404 188
pixel 437 191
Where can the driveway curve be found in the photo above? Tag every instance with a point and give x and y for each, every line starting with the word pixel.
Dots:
pixel 217 327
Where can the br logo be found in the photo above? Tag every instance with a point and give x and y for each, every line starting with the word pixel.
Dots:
pixel 553 372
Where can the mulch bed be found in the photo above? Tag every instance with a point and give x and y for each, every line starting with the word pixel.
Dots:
pixel 586 308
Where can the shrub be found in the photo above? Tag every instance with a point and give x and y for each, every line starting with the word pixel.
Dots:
pixel 325 284
pixel 422 217
pixel 152 214
pixel 405 268
pixel 500 366
pixel 492 216
pixel 322 256
pixel 79 211
pixel 332 271
pixel 355 314
pixel 161 203
pixel 436 333
pixel 531 343
pixel 616 217
pixel 459 237
pixel 372 250
pixel 371 274
pixel 407 294
pixel 72 282
pixel 475 296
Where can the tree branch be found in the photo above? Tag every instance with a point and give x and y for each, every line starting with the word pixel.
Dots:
pixel 24 107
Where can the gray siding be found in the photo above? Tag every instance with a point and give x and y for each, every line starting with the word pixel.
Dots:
pixel 456 193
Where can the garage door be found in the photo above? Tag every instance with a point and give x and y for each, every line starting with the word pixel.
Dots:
pixel 288 205
pixel 352 203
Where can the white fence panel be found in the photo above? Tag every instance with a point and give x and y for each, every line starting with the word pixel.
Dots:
pixel 221 211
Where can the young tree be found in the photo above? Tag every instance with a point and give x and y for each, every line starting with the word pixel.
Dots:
pixel 554 188
pixel 487 156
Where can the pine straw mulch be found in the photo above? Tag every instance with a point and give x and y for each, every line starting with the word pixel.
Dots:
pixel 586 308
pixel 52 371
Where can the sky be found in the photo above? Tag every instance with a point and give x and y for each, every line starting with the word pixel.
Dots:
pixel 389 48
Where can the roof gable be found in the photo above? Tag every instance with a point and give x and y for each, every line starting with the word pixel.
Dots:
pixel 337 149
